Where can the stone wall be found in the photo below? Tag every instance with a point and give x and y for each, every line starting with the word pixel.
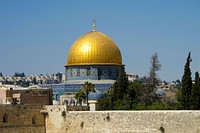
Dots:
pixel 36 96
pixel 122 121
pixel 55 119
pixel 21 119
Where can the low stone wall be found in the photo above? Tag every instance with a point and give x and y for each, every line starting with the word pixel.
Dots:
pixel 24 129
pixel 21 119
pixel 123 122
pixel 55 119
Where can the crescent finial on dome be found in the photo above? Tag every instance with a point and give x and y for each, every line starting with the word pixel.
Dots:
pixel 94 25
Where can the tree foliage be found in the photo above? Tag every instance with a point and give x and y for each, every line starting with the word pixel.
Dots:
pixel 195 93
pixel 118 96
pixel 186 85
pixel 155 66
pixel 85 90
pixel 120 87
pixel 124 95
pixel 80 95
pixel 189 94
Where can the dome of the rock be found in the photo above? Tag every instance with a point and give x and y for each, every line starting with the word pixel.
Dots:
pixel 93 56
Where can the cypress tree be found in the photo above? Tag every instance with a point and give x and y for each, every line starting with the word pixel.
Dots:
pixel 195 98
pixel 198 92
pixel 120 86
pixel 186 85
pixel 120 96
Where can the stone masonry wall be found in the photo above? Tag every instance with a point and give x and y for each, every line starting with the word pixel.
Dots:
pixel 21 119
pixel 55 119
pixel 122 121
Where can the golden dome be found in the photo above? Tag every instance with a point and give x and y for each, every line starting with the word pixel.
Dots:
pixel 94 48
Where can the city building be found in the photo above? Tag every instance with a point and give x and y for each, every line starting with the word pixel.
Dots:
pixel 33 95
pixel 38 79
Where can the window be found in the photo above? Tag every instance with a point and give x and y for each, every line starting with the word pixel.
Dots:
pixel 66 102
pixel 72 102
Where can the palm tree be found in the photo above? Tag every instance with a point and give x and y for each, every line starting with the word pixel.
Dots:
pixel 87 88
pixel 80 96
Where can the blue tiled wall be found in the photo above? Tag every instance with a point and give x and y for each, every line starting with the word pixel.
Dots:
pixel 93 72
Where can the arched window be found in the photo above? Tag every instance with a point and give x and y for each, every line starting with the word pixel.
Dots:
pixel 78 103
pixel 72 102
pixel 5 118
pixel 66 102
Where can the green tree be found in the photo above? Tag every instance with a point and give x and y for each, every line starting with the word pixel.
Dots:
pixel 105 103
pixel 120 96
pixel 120 87
pixel 87 88
pixel 186 85
pixel 124 95
pixel 195 98
pixel 80 96
pixel 145 95
pixel 155 66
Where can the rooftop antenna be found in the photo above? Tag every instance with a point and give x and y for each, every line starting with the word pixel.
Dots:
pixel 94 25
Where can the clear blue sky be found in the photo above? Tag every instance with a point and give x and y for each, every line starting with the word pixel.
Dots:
pixel 35 36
